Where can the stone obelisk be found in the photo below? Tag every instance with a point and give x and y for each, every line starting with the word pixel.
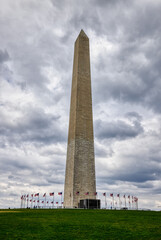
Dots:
pixel 80 164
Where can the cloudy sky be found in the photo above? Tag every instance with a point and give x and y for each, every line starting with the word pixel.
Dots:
pixel 36 57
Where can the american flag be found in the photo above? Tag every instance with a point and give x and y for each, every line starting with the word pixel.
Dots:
pixel 59 193
pixel 44 195
pixel 104 194
pixel 111 194
pixel 37 194
pixel 135 199
pixel 77 193
pixel 87 193
pixel 51 194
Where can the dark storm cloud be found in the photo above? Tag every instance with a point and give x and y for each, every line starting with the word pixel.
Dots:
pixel 135 175
pixel 4 56
pixel 14 194
pixel 34 126
pixel 132 74
pixel 14 164
pixel 119 129
pixel 37 48
pixel 5 71
pixel 134 116
pixel 139 169
pixel 147 184
pixel 78 19
pixel 102 151
pixel 141 175
pixel 57 179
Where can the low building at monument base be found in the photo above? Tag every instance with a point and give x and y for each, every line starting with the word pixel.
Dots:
pixel 90 204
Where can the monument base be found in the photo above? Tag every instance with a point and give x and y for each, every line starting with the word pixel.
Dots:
pixel 90 203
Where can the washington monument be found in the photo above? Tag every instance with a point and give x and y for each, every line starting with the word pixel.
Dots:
pixel 80 180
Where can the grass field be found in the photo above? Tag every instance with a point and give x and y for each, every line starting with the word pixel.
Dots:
pixel 79 224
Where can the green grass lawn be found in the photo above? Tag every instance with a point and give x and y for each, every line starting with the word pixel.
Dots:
pixel 79 224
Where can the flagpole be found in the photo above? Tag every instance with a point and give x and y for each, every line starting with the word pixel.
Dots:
pixel 105 202
pixel 24 201
pixel 88 200
pixel 113 202
pixel 125 201
pixel 32 202
pixel 27 200
pixel 129 202
pixel 53 201
pixel 23 204
pixel 21 201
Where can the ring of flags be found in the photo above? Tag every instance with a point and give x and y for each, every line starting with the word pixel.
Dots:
pixel 35 200
pixel 129 202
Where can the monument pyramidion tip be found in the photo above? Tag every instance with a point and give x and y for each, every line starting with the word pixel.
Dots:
pixel 82 34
